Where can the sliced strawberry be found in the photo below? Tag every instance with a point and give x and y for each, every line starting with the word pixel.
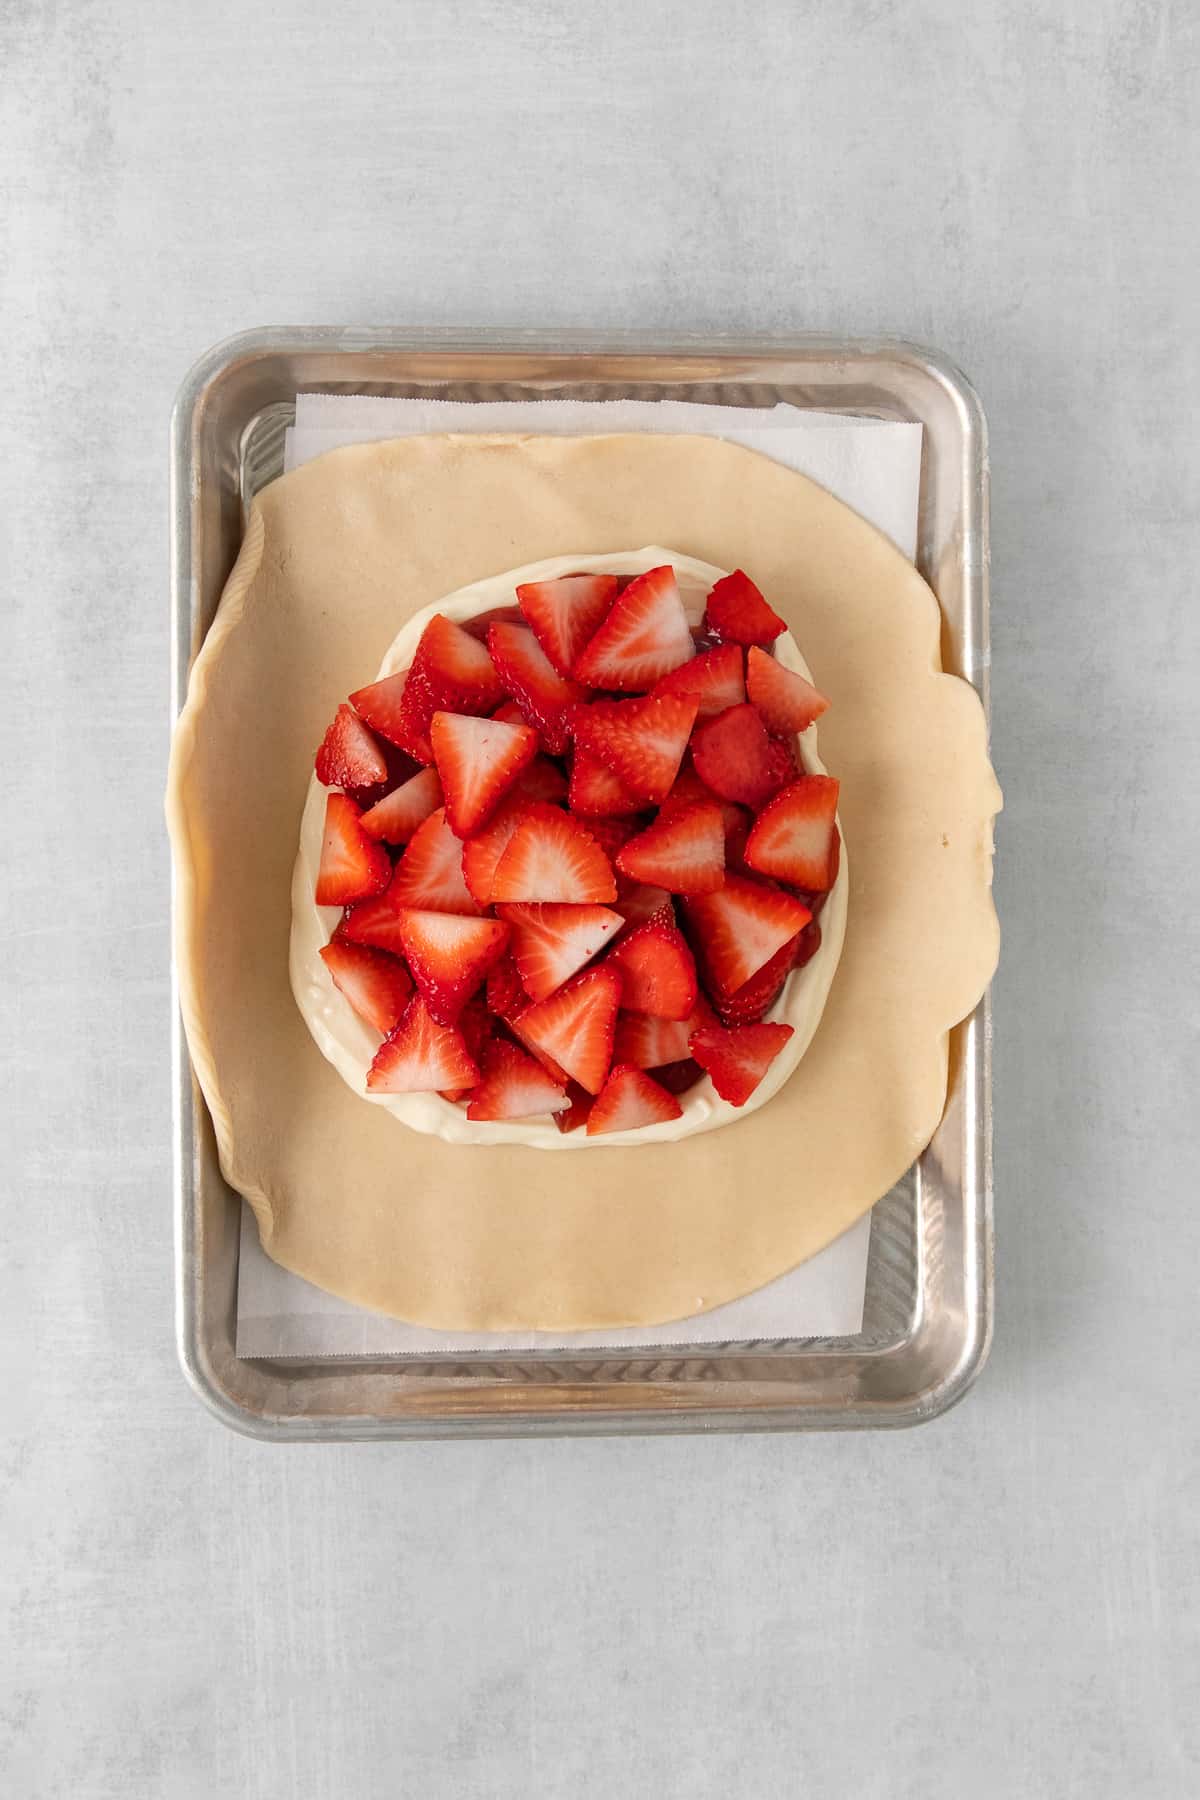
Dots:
pixel 649 1043
pixel 786 701
pixel 737 612
pixel 658 971
pixel 738 1059
pixel 550 943
pixel 421 1056
pixel 715 677
pixel 628 1100
pixel 542 694
pixel 678 1077
pixel 397 815
pixel 755 998
pixel 594 790
pixel 509 713
pixel 612 834
pixel 481 853
pixel 565 613
pixel 374 922
pixel 479 624
pixel 641 741
pixel 449 957
pixel 505 995
pixel 458 669
pixel 642 903
pixel 349 755
pixel 644 636
pixel 514 1086
pixel 477 762
pixel 552 857
pixel 794 835
pixel 574 1027
pixel 739 928
pixel 353 866
pixel 542 780
pixel 732 754
pixel 377 986
pixel 580 1104
pixel 399 708
pixel 430 873
pixel 782 763
pixel 684 852
pixel 687 790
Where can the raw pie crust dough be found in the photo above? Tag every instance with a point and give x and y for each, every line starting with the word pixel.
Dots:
pixel 336 556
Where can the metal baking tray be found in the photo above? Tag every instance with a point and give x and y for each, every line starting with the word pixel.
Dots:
pixel 928 1317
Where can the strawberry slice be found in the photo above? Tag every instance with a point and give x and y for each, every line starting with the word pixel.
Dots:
pixel 658 971
pixel 481 853
pixel 352 866
pixel 785 700
pixel 397 815
pixel 542 780
pixel 377 986
pixel 574 1027
pixel 684 852
pixel 737 612
pixel 716 678
pixel 738 1059
pixel 628 1100
pixel 505 997
pixel 349 756
pixel 650 1043
pixel 755 998
pixel 612 834
pixel 449 957
pixel 514 1086
pixel 430 873
pixel 739 928
pixel 552 857
pixel 509 713
pixel 579 1105
pixel 794 836
pixel 643 638
pixel 451 672
pixel 641 903
pixel 399 707
pixel 565 613
pixel 477 762
pixel 550 943
pixel 374 922
pixel 641 741
pixel 732 754
pixel 542 694
pixel 420 1056
pixel 594 790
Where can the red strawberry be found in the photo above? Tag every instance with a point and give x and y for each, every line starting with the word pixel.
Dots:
pixel 421 1056
pixel 481 853
pixel 687 790
pixel 509 713
pixel 737 1060
pixel 595 792
pixel 611 834
pixel 549 943
pixel 352 865
pixel 477 761
pixel 514 1087
pixel 684 852
pixel 755 998
pixel 574 1027
pixel 737 612
pixel 794 835
pixel 643 638
pixel 451 672
pixel 565 613
pixel 786 701
pixel 397 815
pixel 542 780
pixel 732 754
pixel 374 922
pixel 551 857
pixel 781 761
pixel 628 1100
pixel 650 1043
pixel 505 995
pixel 376 985
pixel 479 624
pixel 430 873
pixel 641 903
pixel 539 690
pixel 715 677
pixel 739 928
pixel 576 1113
pixel 399 708
pixel 658 971
pixel 641 741
pixel 349 756
pixel 449 957
pixel 678 1077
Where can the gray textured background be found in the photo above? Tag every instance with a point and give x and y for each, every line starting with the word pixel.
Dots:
pixel 1003 1604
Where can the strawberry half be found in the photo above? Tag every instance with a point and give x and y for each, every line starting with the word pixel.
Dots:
pixel 399 707
pixel 716 678
pixel 514 1086
pixel 430 873
pixel 641 741
pixel 794 836
pixel 542 694
pixel 737 612
pixel 451 672
pixel 565 613
pixel 738 1059
pixel 739 928
pixel 349 755
pixel 353 866
pixel 650 1043
pixel 785 700
pixel 376 985
pixel 628 1100
pixel 551 942
pixel 397 815
pixel 595 792
pixel 477 762
pixel 732 754
pixel 552 857
pixel 574 1027
pixel 420 1056
pixel 449 956
pixel 643 638
pixel 684 852
pixel 658 971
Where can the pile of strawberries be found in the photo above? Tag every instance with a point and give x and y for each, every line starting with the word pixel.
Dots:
pixel 611 858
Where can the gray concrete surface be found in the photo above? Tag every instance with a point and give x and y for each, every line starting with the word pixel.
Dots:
pixel 1004 1604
